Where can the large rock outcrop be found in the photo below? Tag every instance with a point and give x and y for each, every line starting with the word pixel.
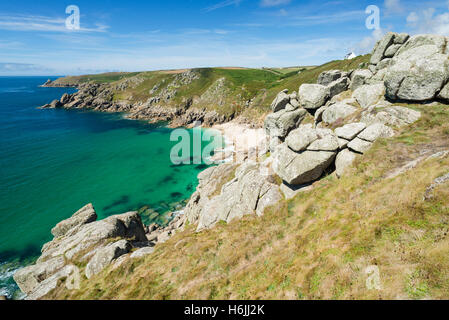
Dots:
pixel 413 68
pixel 229 192
pixel 79 240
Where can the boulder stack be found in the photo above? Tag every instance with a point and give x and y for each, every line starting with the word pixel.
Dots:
pixel 414 69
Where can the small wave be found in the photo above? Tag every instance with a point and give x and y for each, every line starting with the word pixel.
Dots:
pixel 7 274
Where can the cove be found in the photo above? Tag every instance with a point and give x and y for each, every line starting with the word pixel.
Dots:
pixel 53 162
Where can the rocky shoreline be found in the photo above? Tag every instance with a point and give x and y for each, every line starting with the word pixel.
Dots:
pixel 83 245
pixel 159 108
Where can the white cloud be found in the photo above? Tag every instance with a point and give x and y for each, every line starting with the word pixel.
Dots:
pixel 42 24
pixel 222 4
pixel 428 22
pixel 273 3
pixel 336 17
pixel 393 6
pixel 367 43
pixel 12 68
pixel 412 18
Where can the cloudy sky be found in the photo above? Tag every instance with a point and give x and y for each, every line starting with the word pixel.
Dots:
pixel 151 35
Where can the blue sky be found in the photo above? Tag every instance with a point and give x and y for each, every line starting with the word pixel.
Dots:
pixel 151 35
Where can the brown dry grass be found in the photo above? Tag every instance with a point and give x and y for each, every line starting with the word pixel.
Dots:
pixel 318 245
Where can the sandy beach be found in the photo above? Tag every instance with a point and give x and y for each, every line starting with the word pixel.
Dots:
pixel 241 142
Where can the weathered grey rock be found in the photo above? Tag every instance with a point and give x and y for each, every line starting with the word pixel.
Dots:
pixel 344 159
pixel 142 252
pixel 251 191
pixel 274 142
pixel 338 86
pixel 51 283
pixel 369 95
pixel 29 278
pixel 392 116
pixel 280 123
pixel 280 102
pixel 300 168
pixel 359 78
pixel 85 215
pixel 379 76
pixel 359 145
pixel 343 143
pixel 379 51
pixel 79 239
pixel 318 117
pixel 295 103
pixel 328 142
pixel 401 38
pixel 128 226
pixel 391 51
pixel 289 107
pixel 313 96
pixel 376 131
pixel 326 77
pixel 104 257
pixel 350 131
pixel 420 40
pixel 385 63
pixel 419 69
pixel 294 95
pixel 299 139
pixel 337 111
pixel 444 93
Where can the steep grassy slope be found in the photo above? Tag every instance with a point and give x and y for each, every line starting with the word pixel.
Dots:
pixel 225 90
pixel 318 245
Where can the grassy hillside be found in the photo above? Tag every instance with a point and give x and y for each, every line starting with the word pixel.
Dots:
pixel 230 97
pixel 318 245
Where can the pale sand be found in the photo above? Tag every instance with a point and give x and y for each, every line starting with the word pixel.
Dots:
pixel 240 141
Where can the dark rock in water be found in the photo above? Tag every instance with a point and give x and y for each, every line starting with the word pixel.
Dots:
pixel 122 200
pixel 175 194
pixel 202 167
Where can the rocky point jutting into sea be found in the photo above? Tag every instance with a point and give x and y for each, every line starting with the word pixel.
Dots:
pixel 349 112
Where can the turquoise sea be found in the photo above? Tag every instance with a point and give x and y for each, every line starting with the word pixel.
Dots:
pixel 53 162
